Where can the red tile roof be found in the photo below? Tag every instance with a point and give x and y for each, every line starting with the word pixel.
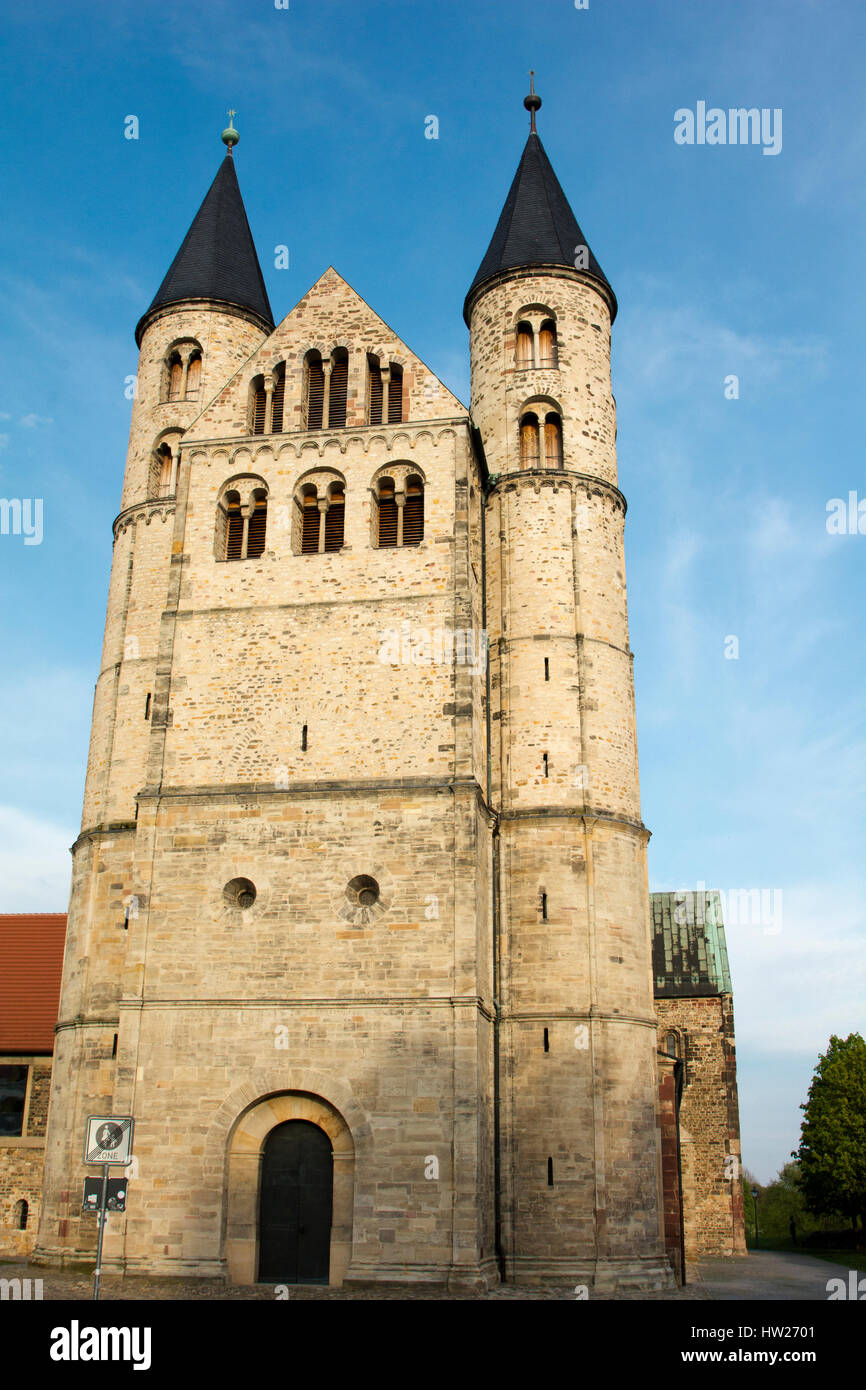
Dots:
pixel 31 963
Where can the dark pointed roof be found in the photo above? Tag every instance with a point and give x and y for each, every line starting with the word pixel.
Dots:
pixel 536 227
pixel 217 259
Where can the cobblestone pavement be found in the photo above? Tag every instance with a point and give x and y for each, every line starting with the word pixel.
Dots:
pixel 77 1285
pixel 769 1275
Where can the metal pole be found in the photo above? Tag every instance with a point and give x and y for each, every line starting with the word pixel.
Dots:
pixel 103 1201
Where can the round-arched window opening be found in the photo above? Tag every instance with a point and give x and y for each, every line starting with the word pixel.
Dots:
pixel 240 893
pixel 671 1045
pixel 363 890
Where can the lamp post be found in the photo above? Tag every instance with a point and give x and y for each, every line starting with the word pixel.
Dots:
pixel 755 1199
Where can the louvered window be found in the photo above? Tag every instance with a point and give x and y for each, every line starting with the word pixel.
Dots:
pixel 165 472
pixel 334 520
pixel 310 527
pixel 259 401
pixel 315 393
pixel 279 400
pixel 375 394
pixel 395 396
pixel 547 345
pixel 257 528
pixel 387 516
pixel 234 531
pixel 175 381
pixel 193 379
pixel 413 514
pixel 337 395
pixel 529 442
pixel 524 346
pixel 552 442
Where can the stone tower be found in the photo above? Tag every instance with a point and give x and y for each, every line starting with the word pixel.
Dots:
pixel 578 1154
pixel 359 925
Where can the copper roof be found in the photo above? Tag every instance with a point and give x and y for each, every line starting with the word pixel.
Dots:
pixel 31 963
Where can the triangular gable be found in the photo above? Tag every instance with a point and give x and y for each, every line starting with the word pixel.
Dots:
pixel 331 314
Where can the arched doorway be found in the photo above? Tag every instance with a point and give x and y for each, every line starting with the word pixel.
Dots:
pixel 296 1205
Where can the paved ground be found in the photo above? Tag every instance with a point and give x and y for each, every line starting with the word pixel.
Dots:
pixel 769 1275
pixel 761 1276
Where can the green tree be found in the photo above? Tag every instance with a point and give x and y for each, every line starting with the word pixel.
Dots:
pixel 832 1151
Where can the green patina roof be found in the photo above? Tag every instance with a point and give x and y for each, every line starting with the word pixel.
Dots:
pixel 690 955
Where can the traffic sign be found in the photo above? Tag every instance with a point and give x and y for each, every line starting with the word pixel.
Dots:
pixel 108 1139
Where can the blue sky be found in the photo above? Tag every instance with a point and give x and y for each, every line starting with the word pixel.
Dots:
pixel 724 260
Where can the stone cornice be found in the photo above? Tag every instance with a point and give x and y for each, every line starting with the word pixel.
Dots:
pixel 549 477
pixel 143 511
pixel 319 442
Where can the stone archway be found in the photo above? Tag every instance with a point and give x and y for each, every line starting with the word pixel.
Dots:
pixel 243 1177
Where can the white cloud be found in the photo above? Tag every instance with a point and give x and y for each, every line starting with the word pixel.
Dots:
pixel 33 421
pixel 35 865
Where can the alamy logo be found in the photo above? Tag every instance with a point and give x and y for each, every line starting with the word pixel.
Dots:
pixel 736 126
pixel 22 516
pixel 419 646
pixel 855 1289
pixel 17 1289
pixel 76 1343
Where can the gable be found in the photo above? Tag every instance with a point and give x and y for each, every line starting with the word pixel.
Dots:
pixel 330 316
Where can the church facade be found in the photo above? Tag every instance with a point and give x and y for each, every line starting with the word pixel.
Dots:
pixel 359 930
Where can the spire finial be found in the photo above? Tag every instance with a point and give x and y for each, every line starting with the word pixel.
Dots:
pixel 230 135
pixel 532 102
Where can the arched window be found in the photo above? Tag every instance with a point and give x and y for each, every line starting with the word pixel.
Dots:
pixel 242 521
pixel 259 404
pixel 193 377
pixel 374 396
pixel 552 441
pixel 335 517
pixel 279 398
pixel 547 356
pixel 413 512
pixel 529 441
pixel 395 395
pixel 175 377
pixel 671 1045
pixel 165 470
pixel 310 523
pixel 387 509
pixel 338 389
pixel 524 346
pixel 257 524
pixel 315 391
pixel 22 1211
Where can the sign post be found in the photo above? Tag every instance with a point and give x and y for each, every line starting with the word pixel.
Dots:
pixel 107 1140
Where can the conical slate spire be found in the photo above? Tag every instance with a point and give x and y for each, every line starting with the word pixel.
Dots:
pixel 217 259
pixel 536 227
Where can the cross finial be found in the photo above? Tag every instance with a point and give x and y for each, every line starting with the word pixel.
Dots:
pixel 230 135
pixel 532 102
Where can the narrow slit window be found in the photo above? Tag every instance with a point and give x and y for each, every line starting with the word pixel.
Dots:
pixel 547 668
pixel 546 1041
pixel 114 1046
pixel 335 521
pixel 193 379
pixel 259 400
pixel 375 391
pixel 547 344
pixel 339 387
pixel 545 763
pixel 147 705
pixel 413 513
pixel 310 526
pixel 387 515
pixel 304 739
pixel 315 392
pixel 257 529
pixel 550 1172
pixel 544 907
pixel 234 527
pixel 395 395
pixel 279 398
